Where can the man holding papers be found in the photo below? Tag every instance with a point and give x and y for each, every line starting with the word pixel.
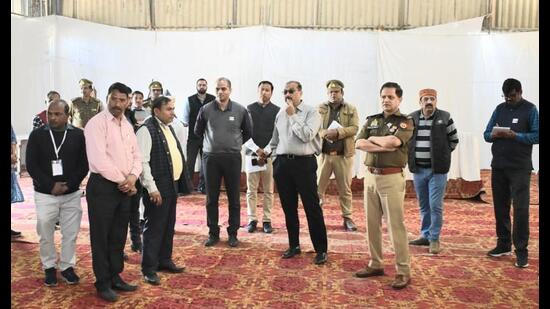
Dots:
pixel 339 125
pixel 258 161
pixel 511 168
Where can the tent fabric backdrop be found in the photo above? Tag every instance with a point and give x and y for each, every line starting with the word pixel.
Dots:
pixel 465 65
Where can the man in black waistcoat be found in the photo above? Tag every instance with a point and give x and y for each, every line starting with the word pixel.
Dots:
pixel 162 178
pixel 194 142
pixel 513 129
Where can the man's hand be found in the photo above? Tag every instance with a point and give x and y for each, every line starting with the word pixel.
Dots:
pixel 155 198
pixel 290 109
pixel 510 134
pixel 59 188
pixel 13 158
pixel 261 153
pixel 331 134
pixel 261 161
pixel 128 184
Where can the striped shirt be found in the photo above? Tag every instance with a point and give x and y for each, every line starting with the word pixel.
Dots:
pixel 423 144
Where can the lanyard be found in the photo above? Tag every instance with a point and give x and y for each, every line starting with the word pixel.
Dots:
pixel 56 149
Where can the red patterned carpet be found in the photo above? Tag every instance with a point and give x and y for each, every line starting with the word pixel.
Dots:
pixel 254 276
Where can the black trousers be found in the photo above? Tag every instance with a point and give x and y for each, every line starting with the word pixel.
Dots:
pixel 295 176
pixel 109 213
pixel 511 187
pixel 228 167
pixel 135 228
pixel 194 148
pixel 158 232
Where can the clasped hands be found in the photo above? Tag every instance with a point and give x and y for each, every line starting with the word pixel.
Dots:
pixel 503 134
pixel 128 186
pixel 262 157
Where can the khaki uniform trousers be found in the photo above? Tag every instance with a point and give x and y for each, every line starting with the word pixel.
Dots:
pixel 384 196
pixel 341 166
pixel 252 182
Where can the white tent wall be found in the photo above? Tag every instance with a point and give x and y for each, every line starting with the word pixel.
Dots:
pixel 467 67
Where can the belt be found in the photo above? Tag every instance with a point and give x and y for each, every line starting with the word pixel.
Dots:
pixel 384 170
pixel 333 153
pixel 291 156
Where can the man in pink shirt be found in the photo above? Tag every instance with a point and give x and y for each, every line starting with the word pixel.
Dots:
pixel 115 165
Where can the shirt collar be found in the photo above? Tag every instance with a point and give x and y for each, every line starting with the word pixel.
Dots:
pixel 67 127
pixel 229 104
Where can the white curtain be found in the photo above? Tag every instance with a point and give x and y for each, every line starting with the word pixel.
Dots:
pixel 466 67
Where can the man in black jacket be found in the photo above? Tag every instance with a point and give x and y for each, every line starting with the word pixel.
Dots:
pixel 162 177
pixel 194 142
pixel 434 138
pixel 56 160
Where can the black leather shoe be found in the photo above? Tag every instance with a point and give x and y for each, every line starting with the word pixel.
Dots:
pixel 108 295
pixel 267 227
pixel 171 268
pixel 321 258
pixel 290 252
pixel 251 227
pixel 151 278
pixel 120 285
pixel 211 241
pixel 233 241
pixel 349 225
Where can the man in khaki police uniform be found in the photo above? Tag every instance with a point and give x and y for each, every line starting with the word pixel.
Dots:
pixel 155 91
pixel 340 124
pixel 85 107
pixel 385 138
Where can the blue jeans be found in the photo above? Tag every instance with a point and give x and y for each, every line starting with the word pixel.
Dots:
pixel 430 191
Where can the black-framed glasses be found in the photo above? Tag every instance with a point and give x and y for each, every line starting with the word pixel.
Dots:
pixel 291 91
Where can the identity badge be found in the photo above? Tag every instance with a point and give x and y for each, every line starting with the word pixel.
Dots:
pixel 57 168
pixel 231 118
pixel 515 120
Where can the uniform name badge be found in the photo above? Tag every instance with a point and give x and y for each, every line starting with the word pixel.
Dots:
pixel 231 118
pixel 57 167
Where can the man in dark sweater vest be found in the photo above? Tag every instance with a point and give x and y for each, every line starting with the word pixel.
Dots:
pixel 194 143
pixel 513 129
pixel 263 114
pixel 224 124
pixel 434 138
pixel 56 160
pixel 163 172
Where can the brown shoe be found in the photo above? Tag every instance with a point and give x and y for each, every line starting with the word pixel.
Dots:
pixel 369 272
pixel 400 282
pixel 434 247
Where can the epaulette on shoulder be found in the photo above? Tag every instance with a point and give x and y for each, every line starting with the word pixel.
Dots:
pixel 375 115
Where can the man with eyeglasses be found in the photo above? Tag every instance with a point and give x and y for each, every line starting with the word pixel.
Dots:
pixel 434 138
pixel 513 129
pixel 385 137
pixel 339 126
pixel 224 125
pixel 295 143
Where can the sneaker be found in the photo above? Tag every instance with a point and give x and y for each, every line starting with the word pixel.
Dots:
pixel 251 227
pixel 15 234
pixel 499 251
pixel 521 260
pixel 51 277
pixel 434 247
pixel 70 276
pixel 267 227
pixel 420 241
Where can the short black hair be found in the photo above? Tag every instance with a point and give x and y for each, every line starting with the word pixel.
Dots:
pixel 158 103
pixel 398 90
pixel 224 79
pixel 120 87
pixel 198 80
pixel 511 84
pixel 266 82
pixel 52 92
pixel 62 102
pixel 137 92
pixel 299 86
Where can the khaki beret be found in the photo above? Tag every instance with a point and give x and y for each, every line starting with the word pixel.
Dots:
pixel 155 85
pixel 335 84
pixel 85 82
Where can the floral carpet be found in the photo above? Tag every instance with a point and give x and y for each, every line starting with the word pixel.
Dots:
pixel 254 276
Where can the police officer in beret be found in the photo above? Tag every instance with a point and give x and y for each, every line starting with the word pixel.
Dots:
pixel 85 107
pixel 385 138
pixel 155 91
pixel 339 125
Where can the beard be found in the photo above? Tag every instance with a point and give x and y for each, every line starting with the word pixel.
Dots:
pixel 201 91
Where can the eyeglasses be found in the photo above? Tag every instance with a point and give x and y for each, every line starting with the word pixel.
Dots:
pixel 291 91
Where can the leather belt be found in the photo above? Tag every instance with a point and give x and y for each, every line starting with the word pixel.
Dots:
pixel 384 170
pixel 291 156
